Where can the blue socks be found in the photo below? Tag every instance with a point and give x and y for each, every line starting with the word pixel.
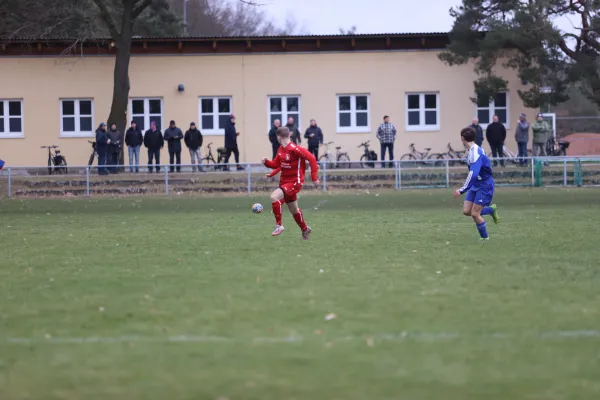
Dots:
pixel 482 229
pixel 487 211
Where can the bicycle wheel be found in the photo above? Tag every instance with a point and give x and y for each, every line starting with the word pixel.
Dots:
pixel 343 161
pixel 49 166
pixel 208 164
pixel 433 159
pixel 63 166
pixel 325 159
pixel 407 160
pixel 91 160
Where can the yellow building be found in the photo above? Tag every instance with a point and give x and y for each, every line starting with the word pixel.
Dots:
pixel 346 83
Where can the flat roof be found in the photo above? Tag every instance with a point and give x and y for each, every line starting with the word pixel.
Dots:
pixel 227 45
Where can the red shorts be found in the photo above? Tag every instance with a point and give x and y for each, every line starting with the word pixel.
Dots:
pixel 290 191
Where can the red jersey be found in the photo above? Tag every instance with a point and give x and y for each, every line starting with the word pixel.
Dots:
pixel 292 162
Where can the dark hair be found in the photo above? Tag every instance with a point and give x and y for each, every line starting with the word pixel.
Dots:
pixel 283 132
pixel 468 134
pixel 386 117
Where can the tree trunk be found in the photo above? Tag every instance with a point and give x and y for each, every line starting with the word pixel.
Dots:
pixel 118 108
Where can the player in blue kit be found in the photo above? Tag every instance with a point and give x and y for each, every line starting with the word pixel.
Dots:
pixel 479 185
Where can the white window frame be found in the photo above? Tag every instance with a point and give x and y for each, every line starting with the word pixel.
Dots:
pixel 7 134
pixel 284 111
pixel 216 114
pixel 352 128
pixel 422 127
pixel 492 111
pixel 147 116
pixel 77 116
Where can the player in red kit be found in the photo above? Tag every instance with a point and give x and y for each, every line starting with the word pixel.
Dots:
pixel 291 160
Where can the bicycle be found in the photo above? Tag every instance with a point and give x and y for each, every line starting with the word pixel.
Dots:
pixel 455 156
pixel 56 162
pixel 369 156
pixel 340 157
pixel 415 155
pixel 94 153
pixel 555 149
pixel 221 156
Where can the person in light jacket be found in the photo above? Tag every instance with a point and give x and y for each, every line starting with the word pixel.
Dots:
pixel 522 138
pixel 541 130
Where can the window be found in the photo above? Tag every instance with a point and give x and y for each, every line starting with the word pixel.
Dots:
pixel 76 118
pixel 353 113
pixel 422 112
pixel 214 113
pixel 497 106
pixel 144 111
pixel 282 108
pixel 11 119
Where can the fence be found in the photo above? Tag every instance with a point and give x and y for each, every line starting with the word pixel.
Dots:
pixel 401 175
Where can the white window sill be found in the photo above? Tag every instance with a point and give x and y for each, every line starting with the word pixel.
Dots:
pixel 213 132
pixel 362 129
pixel 76 134
pixel 422 128
pixel 12 135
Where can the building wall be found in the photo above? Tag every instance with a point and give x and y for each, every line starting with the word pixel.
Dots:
pixel 248 79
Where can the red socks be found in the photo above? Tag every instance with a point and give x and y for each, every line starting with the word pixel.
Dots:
pixel 277 211
pixel 299 218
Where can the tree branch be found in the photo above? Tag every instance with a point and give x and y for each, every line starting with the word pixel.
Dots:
pixel 140 8
pixel 108 19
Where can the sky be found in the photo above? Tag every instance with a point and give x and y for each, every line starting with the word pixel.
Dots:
pixel 369 16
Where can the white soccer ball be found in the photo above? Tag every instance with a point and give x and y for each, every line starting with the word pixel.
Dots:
pixel 257 208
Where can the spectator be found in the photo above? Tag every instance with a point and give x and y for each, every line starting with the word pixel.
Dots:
pixel 134 140
pixel 231 143
pixel 193 140
pixel 386 133
pixel 273 136
pixel 540 129
pixel 522 138
pixel 496 135
pixel 294 132
pixel 314 134
pixel 154 142
pixel 478 132
pixel 114 148
pixel 173 136
pixel 102 142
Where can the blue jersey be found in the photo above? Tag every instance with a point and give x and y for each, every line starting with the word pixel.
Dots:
pixel 480 170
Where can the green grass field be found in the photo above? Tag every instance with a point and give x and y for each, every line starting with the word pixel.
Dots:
pixel 191 298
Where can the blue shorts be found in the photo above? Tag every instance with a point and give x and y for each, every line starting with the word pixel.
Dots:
pixel 482 194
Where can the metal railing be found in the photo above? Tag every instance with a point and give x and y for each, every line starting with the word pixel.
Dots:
pixel 251 179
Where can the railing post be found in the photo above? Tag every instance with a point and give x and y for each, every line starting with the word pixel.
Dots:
pixel 565 172
pixel 324 176
pixel 87 181
pixel 249 168
pixel 447 173
pixel 9 184
pixel 397 175
pixel 167 181
pixel 532 172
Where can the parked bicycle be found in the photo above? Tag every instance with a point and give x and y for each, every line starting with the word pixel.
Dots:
pixel 455 156
pixel 367 160
pixel 414 155
pixel 94 153
pixel 340 160
pixel 210 159
pixel 56 161
pixel 556 149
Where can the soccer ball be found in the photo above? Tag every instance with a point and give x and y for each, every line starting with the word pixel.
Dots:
pixel 257 208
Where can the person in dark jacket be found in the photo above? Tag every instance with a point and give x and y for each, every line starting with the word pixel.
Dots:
pixel 273 136
pixel 193 140
pixel 134 140
pixel 231 143
pixel 496 135
pixel 114 148
pixel 102 142
pixel 478 132
pixel 295 133
pixel 153 140
pixel 314 135
pixel 173 136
